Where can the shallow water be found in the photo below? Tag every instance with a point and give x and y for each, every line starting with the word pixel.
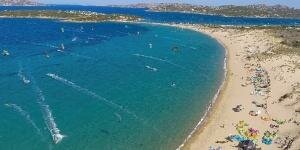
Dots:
pixel 108 88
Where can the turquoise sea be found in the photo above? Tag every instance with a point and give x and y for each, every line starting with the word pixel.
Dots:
pixel 103 86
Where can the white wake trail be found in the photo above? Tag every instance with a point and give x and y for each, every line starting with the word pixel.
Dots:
pixel 26 115
pixel 158 59
pixel 48 117
pixel 106 101
pixel 90 93
pixel 39 44
pixel 46 111
pixel 82 56
pixel 22 76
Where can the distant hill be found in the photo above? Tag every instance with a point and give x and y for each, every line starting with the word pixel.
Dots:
pixel 19 3
pixel 260 10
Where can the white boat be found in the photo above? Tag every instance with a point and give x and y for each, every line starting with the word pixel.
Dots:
pixel 150 45
pixel 173 85
pixel 62 47
pixel 5 53
pixel 74 39
pixel 26 81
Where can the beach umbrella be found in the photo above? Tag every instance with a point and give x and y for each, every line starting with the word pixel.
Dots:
pixel 247 145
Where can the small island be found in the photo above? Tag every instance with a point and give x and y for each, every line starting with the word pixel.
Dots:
pixel 69 16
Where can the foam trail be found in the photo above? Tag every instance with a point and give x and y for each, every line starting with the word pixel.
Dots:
pixel 74 39
pixel 47 113
pixel 158 59
pixel 118 116
pixel 22 76
pixel 90 93
pixel 78 31
pixel 38 44
pixel 194 48
pixel 189 47
pixel 106 101
pixel 48 117
pixel 151 68
pixel 82 56
pixel 24 114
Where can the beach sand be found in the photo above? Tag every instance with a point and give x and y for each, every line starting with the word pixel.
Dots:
pixel 282 72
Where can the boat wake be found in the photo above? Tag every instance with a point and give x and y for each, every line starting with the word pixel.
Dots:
pixel 39 44
pixel 118 116
pixel 85 33
pixel 82 56
pixel 90 93
pixel 194 48
pixel 102 99
pixel 48 117
pixel 159 59
pixel 26 115
pixel 74 39
pixel 22 76
pixel 46 112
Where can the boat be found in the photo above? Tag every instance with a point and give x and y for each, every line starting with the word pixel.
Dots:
pixel 62 47
pixel 173 84
pixel 5 53
pixel 26 81
pixel 175 49
pixel 47 55
pixel 150 45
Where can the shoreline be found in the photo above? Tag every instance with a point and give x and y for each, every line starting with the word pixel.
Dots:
pixel 220 120
pixel 214 102
pixel 217 97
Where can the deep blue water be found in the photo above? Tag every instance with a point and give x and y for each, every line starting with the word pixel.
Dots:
pixel 114 86
pixel 173 17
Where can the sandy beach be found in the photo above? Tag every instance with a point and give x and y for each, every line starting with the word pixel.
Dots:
pixel 262 89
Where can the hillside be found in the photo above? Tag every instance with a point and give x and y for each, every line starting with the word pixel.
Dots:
pixel 19 3
pixel 260 10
